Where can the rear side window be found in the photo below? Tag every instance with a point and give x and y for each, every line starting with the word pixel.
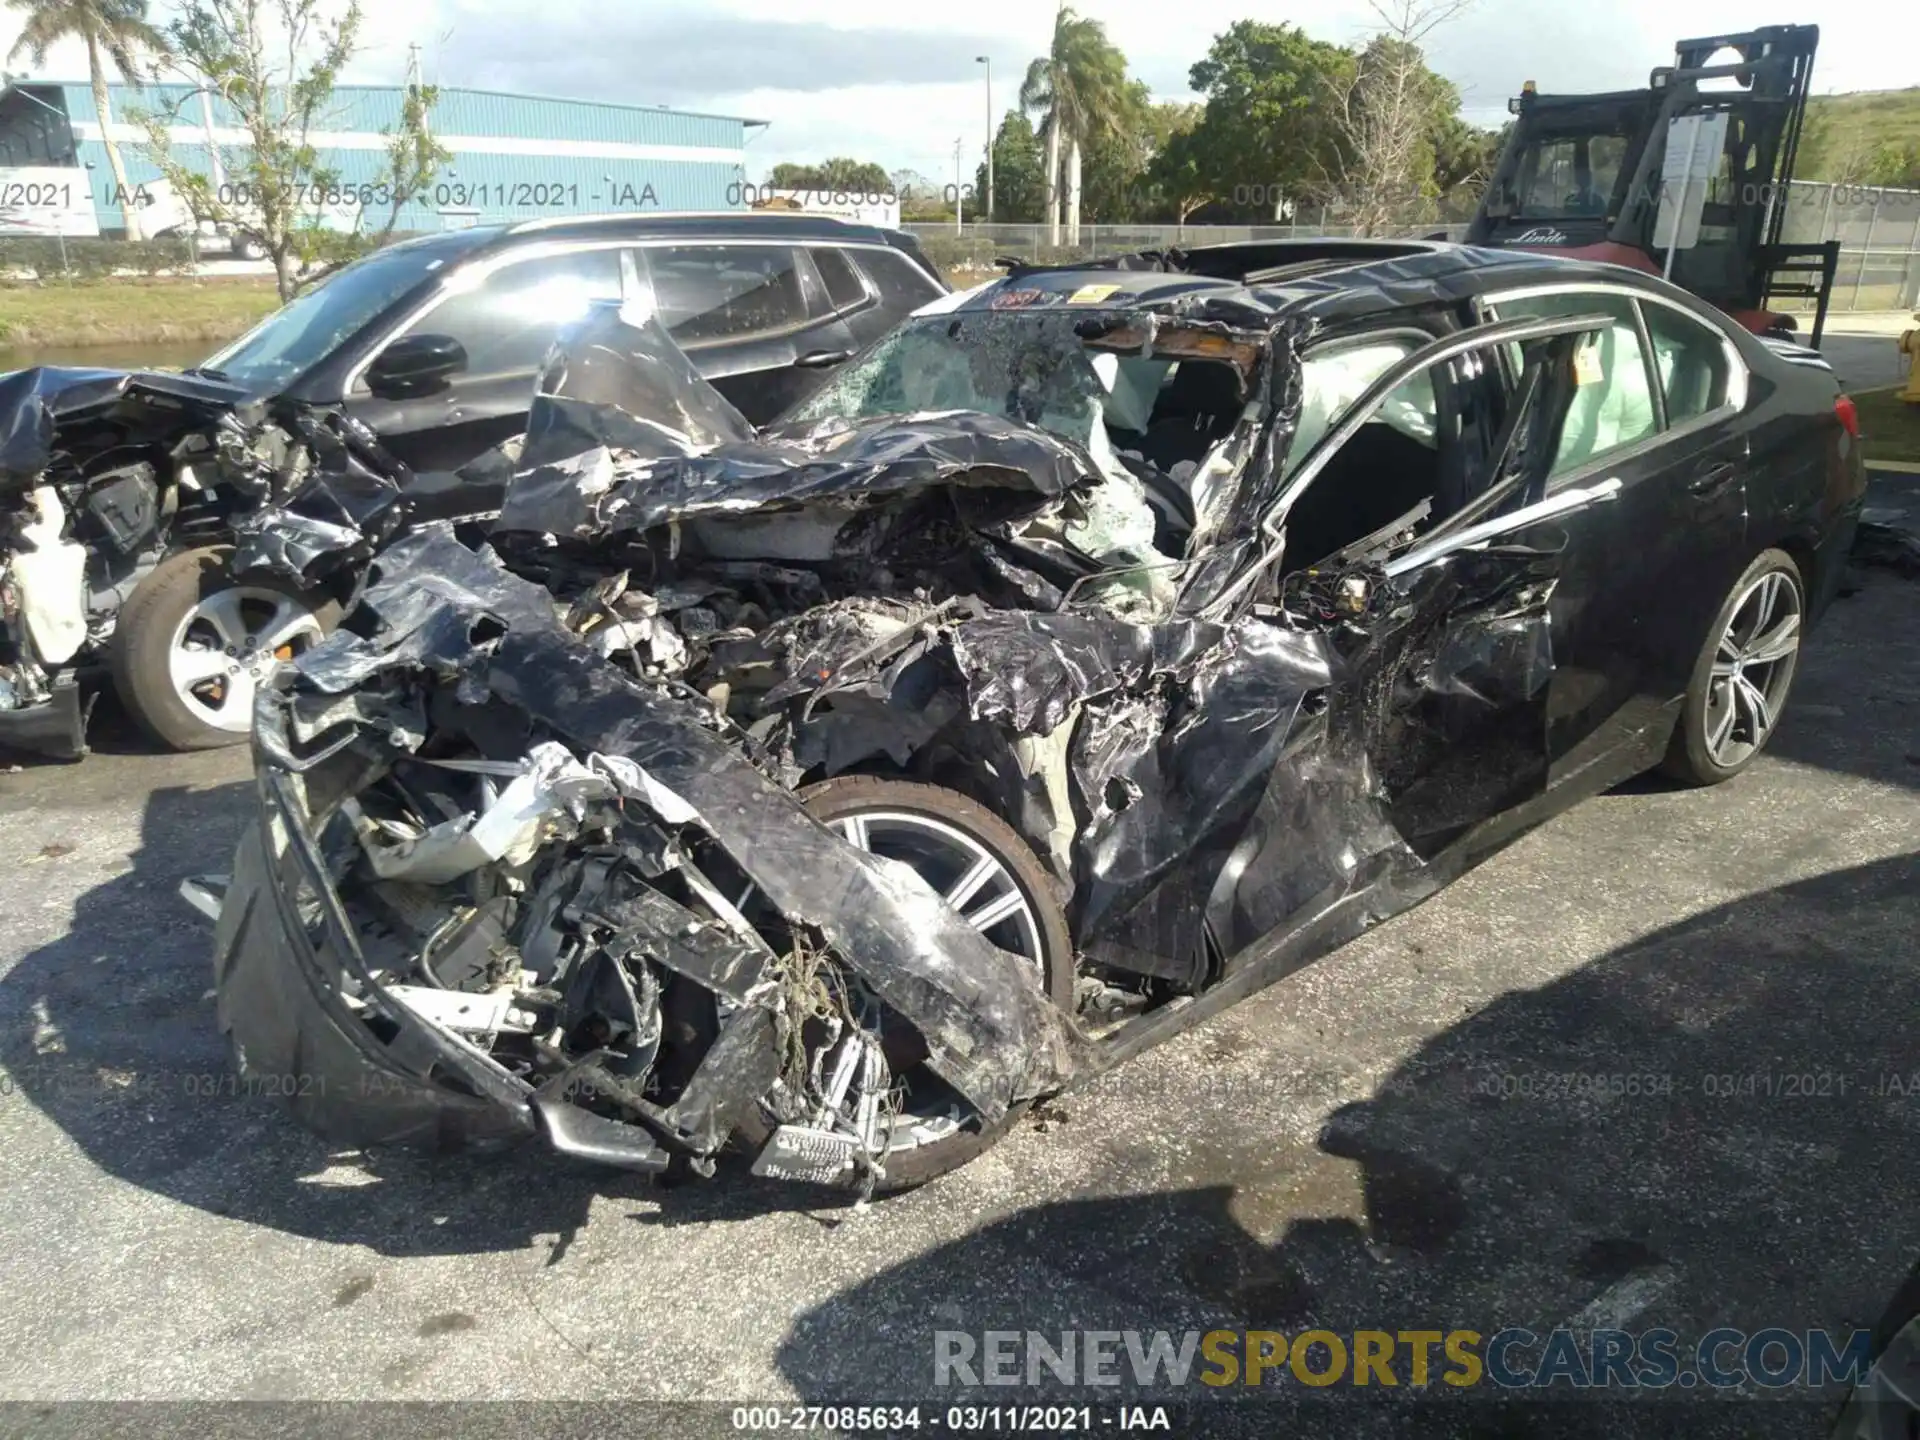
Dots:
pixel 903 285
pixel 710 293
pixel 509 321
pixel 844 286
pixel 1613 400
pixel 1691 361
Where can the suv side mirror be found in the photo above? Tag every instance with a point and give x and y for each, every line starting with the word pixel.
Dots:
pixel 415 365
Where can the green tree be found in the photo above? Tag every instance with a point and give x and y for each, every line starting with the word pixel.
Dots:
pixel 841 175
pixel 1267 130
pixel 114 29
pixel 1079 88
pixel 1464 157
pixel 1387 116
pixel 1112 184
pixel 1019 189
pixel 275 63
pixel 1180 176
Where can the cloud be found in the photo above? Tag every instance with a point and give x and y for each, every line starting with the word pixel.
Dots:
pixel 689 57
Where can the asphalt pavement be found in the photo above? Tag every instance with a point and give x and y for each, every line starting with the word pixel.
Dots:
pixel 1424 1131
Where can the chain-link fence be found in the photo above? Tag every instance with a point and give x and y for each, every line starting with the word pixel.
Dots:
pixel 1878 230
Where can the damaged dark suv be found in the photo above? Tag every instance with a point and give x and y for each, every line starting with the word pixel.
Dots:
pixel 1087 656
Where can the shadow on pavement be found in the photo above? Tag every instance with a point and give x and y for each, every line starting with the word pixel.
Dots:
pixel 1719 1125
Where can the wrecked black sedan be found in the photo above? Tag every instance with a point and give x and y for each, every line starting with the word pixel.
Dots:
pixel 1087 656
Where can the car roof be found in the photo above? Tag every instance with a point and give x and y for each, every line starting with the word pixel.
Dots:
pixel 1326 280
pixel 714 224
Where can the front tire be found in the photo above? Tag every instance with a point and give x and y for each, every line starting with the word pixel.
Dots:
pixel 194 642
pixel 1743 675
pixel 885 816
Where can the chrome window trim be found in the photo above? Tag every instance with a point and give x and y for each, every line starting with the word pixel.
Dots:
pixel 1559 502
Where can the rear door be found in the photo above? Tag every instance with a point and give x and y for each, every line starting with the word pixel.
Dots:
pixel 757 320
pixel 1655 398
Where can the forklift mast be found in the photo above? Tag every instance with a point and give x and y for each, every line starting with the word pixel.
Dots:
pixel 1687 178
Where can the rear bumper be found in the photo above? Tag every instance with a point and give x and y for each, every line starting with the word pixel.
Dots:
pixel 56 727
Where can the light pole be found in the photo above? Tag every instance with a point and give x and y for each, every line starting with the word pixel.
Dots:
pixel 986 61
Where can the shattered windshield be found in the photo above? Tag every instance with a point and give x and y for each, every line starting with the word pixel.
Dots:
pixel 1027 366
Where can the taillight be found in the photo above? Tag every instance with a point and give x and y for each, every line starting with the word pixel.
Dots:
pixel 1844 412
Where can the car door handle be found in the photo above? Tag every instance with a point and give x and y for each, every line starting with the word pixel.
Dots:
pixel 1712 480
pixel 823 359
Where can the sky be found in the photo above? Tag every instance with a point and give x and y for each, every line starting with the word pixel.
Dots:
pixel 900 84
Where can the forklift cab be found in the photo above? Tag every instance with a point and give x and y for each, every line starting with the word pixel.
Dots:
pixel 1687 178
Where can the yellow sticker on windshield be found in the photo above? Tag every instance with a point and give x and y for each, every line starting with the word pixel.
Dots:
pixel 1091 294
pixel 1586 365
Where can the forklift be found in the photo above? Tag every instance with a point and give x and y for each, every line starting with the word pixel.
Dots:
pixel 1687 178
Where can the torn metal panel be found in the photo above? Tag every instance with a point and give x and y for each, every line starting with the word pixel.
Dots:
pixel 619 495
pixel 345 504
pixel 430 599
pixel 992 1034
pixel 1169 789
pixel 1029 670
pixel 616 381
pixel 76 413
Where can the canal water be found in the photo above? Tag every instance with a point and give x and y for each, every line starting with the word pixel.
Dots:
pixel 167 355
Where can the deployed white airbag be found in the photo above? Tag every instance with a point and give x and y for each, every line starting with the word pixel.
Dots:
pixel 51 576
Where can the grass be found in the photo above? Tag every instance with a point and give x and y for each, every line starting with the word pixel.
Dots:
pixel 132 312
pixel 1889 427
pixel 1840 128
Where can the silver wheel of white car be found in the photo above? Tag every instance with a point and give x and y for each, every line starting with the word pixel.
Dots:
pixel 192 646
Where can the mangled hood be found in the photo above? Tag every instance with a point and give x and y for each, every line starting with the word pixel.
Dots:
pixel 626 436
pixel 73 413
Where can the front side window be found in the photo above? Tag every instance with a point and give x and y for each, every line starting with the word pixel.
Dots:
pixel 1613 390
pixel 313 325
pixel 903 285
pixel 1332 379
pixel 710 293
pixel 1690 359
pixel 1422 450
pixel 508 321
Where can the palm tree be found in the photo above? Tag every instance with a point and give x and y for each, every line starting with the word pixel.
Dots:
pixel 117 27
pixel 1079 88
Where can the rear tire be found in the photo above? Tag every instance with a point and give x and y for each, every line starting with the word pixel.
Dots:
pixel 1736 696
pixel 161 628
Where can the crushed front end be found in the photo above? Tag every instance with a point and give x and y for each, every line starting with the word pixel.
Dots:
pixel 500 887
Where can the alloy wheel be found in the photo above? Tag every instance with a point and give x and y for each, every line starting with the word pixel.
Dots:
pixel 1752 668
pixel 230 642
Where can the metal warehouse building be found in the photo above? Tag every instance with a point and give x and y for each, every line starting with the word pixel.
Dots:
pixel 514 156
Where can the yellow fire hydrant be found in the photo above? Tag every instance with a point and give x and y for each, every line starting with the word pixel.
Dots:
pixel 1910 347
